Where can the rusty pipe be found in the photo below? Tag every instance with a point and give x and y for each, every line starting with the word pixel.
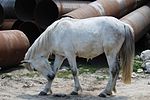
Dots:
pixel 9 24
pixel 47 11
pixel 116 8
pixel 13 46
pixel 139 20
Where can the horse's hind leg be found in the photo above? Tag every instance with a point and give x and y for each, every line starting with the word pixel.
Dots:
pixel 57 63
pixel 73 65
pixel 114 72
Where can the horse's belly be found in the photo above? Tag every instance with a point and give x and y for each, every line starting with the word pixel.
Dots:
pixel 89 52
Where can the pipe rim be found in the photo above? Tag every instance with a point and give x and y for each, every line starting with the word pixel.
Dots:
pixel 46 12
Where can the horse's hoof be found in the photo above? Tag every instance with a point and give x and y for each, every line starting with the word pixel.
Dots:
pixel 42 93
pixel 104 95
pixel 74 93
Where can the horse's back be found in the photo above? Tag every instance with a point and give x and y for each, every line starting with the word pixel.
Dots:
pixel 88 37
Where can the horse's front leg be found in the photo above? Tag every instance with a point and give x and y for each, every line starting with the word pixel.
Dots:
pixel 114 72
pixel 46 89
pixel 73 65
pixel 57 63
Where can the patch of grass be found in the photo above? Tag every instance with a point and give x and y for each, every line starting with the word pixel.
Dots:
pixel 82 69
pixel 87 69
pixel 64 74
pixel 30 74
pixel 137 64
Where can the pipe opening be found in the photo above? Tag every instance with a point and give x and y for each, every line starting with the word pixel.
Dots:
pixel 16 24
pixel 31 30
pixel 46 13
pixel 25 9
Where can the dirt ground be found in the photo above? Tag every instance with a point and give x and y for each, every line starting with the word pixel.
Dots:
pixel 24 85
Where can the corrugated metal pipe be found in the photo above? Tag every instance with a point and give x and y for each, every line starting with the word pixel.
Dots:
pixel 116 8
pixel 8 7
pixel 47 11
pixel 139 20
pixel 13 46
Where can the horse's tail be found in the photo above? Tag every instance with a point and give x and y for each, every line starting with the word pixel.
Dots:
pixel 127 54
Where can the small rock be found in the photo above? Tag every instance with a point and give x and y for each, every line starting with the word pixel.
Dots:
pixel 140 70
pixel 134 75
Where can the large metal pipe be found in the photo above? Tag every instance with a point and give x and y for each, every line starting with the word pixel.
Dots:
pixel 13 46
pixel 9 24
pixel 8 7
pixel 31 29
pixel 47 11
pixel 25 9
pixel 139 20
pixel 116 8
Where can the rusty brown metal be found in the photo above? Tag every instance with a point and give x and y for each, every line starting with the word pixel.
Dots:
pixel 139 20
pixel 47 11
pixel 116 8
pixel 13 45
pixel 9 24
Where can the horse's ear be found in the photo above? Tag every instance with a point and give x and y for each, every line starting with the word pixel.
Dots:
pixel 25 61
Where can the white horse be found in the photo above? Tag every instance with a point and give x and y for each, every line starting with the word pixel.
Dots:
pixel 88 38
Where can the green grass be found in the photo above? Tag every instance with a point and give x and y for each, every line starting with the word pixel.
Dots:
pixel 137 64
pixel 90 69
pixel 83 68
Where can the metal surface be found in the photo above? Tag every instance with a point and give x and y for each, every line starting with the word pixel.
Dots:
pixel 8 7
pixel 139 20
pixel 25 9
pixel 47 11
pixel 115 8
pixel 13 45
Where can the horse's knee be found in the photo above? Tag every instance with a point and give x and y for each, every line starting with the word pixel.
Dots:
pixel 74 71
pixel 115 69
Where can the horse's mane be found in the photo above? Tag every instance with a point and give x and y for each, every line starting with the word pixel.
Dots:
pixel 41 44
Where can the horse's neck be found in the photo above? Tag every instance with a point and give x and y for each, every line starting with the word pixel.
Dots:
pixel 40 48
pixel 42 45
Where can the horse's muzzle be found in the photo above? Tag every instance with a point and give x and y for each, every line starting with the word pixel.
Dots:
pixel 51 77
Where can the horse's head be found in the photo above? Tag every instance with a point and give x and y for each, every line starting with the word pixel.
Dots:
pixel 41 65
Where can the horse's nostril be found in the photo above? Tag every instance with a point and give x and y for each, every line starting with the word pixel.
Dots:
pixel 51 77
pixel 34 69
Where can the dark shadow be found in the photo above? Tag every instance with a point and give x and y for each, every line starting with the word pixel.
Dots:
pixel 70 97
pixel 7 69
